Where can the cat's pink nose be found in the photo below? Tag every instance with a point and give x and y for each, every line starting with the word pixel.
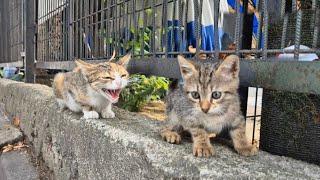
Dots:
pixel 205 106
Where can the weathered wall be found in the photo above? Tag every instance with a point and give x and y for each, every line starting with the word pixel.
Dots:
pixel 127 147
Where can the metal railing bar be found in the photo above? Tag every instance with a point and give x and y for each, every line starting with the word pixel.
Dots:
pixel 266 28
pixel 52 11
pixel 216 31
pixel 165 24
pixel 297 35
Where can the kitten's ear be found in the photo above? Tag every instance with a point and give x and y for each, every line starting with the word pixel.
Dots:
pixel 187 69
pixel 124 61
pixel 230 67
pixel 84 66
pixel 112 57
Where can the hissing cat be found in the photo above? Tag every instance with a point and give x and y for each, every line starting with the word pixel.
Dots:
pixel 206 103
pixel 92 88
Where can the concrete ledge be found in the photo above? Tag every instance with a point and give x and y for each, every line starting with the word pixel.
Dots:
pixel 127 147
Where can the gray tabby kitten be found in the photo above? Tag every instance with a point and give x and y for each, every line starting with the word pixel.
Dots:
pixel 206 103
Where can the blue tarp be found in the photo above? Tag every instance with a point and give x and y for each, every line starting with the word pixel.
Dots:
pixel 207 25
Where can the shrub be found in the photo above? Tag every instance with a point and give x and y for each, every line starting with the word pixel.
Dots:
pixel 142 90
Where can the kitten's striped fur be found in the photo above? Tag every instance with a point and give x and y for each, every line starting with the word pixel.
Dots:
pixel 195 106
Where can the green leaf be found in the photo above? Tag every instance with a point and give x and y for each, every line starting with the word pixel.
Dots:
pixel 148 12
pixel 141 90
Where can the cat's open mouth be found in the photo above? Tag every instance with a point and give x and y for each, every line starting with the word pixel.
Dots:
pixel 113 93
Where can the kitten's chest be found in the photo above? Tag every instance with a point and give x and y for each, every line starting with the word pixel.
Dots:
pixel 97 100
pixel 214 124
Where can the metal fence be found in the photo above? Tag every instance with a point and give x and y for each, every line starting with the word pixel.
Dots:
pixel 12 33
pixel 155 31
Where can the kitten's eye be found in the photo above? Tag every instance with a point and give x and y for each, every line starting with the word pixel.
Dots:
pixel 107 78
pixel 216 95
pixel 195 95
pixel 123 75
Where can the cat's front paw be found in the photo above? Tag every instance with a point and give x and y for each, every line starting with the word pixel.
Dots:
pixel 90 115
pixel 108 114
pixel 248 150
pixel 203 150
pixel 171 137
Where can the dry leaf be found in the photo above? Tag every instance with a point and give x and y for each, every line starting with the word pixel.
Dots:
pixel 7 126
pixel 11 147
pixel 7 148
pixel 19 145
pixel 16 122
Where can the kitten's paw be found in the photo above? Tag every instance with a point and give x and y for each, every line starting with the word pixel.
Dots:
pixel 171 137
pixel 62 106
pixel 60 110
pixel 203 150
pixel 90 115
pixel 248 150
pixel 108 114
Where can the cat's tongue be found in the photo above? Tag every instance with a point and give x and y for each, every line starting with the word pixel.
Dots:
pixel 114 93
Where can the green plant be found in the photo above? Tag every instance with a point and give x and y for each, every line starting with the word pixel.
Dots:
pixel 141 90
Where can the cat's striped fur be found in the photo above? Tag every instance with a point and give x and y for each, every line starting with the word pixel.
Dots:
pixel 92 88
pixel 207 103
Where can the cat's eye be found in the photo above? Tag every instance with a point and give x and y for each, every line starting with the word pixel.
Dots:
pixel 195 95
pixel 107 78
pixel 216 94
pixel 123 75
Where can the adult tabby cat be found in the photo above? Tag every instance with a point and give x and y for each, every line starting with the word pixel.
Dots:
pixel 205 104
pixel 92 88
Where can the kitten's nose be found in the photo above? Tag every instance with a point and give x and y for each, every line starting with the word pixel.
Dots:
pixel 205 110
pixel 205 106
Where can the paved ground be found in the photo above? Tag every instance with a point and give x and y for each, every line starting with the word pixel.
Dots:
pixel 14 165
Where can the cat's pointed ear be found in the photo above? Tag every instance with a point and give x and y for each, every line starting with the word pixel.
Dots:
pixel 84 66
pixel 112 57
pixel 229 68
pixel 124 61
pixel 187 69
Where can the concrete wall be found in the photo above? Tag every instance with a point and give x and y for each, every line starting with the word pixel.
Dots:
pixel 127 147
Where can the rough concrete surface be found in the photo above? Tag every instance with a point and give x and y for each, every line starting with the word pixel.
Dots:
pixel 16 165
pixel 127 147
pixel 8 133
